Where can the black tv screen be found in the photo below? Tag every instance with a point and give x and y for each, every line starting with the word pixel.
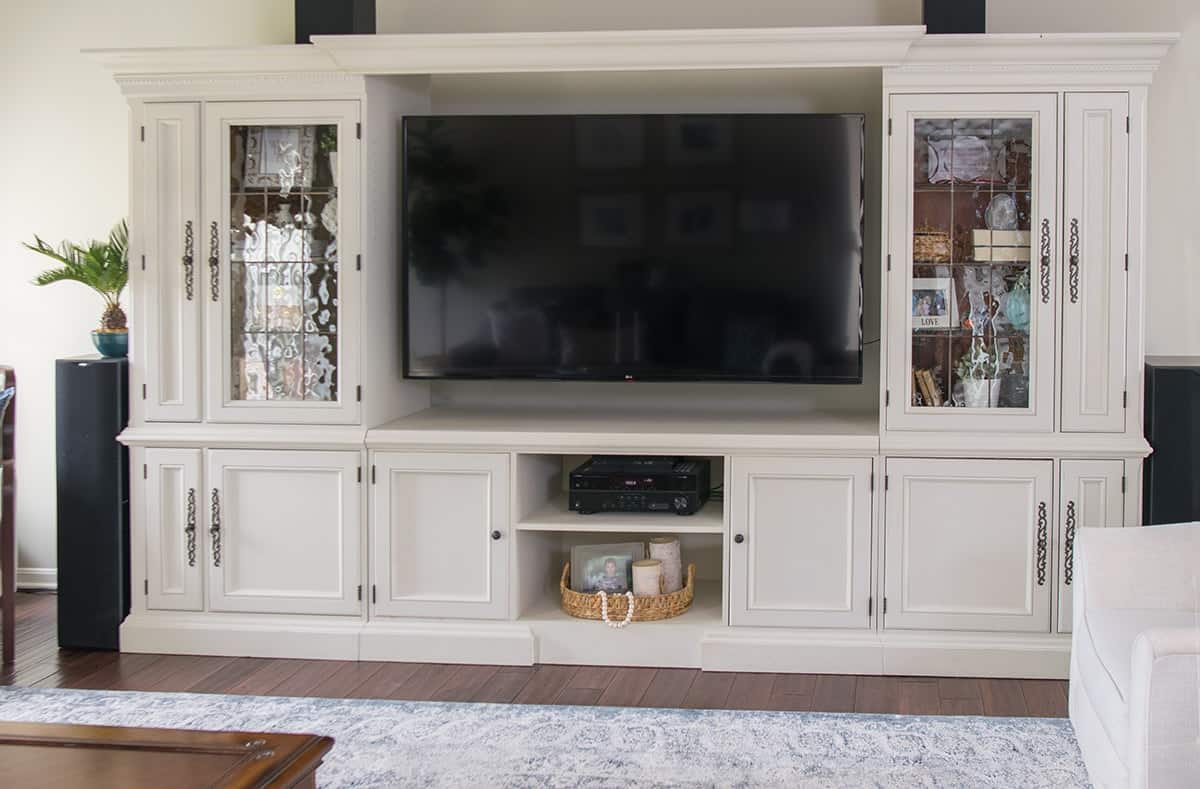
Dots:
pixel 634 247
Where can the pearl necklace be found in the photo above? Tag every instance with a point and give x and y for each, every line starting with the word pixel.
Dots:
pixel 604 610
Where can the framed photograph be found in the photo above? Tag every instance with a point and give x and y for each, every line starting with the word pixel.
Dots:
pixel 614 220
pixel 603 143
pixel 933 304
pixel 696 218
pixel 699 139
pixel 605 568
pixel 279 156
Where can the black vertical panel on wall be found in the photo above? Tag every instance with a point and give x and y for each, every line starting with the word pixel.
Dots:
pixel 1171 485
pixel 92 407
pixel 333 18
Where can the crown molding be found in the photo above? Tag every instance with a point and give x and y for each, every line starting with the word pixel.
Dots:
pixel 620 50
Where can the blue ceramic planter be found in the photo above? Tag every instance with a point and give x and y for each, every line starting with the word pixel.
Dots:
pixel 112 344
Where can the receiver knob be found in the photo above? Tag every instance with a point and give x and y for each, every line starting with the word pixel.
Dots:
pixel 739 539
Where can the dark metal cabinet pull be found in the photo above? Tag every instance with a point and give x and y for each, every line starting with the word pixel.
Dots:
pixel 1041 544
pixel 1069 546
pixel 190 529
pixel 1045 260
pixel 214 262
pixel 214 530
pixel 496 534
pixel 739 538
pixel 189 276
pixel 1073 261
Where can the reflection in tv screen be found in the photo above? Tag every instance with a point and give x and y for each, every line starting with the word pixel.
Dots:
pixel 636 247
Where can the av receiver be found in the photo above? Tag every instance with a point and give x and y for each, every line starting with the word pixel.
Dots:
pixel 630 483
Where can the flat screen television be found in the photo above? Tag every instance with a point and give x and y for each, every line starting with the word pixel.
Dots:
pixel 634 247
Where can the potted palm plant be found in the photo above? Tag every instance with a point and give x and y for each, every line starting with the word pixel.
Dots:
pixel 104 267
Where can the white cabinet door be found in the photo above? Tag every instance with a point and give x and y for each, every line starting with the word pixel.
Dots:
pixel 281 245
pixel 1095 217
pixel 1090 495
pixel 440 535
pixel 968 545
pixel 972 225
pixel 174 554
pixel 173 279
pixel 283 531
pixel 801 550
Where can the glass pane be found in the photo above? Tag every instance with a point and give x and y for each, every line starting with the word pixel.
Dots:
pixel 972 252
pixel 283 271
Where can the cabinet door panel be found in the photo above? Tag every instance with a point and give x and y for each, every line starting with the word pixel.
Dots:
pixel 968 544
pixel 972 223
pixel 174 558
pixel 283 531
pixel 281 236
pixel 805 557
pixel 435 516
pixel 171 239
pixel 1096 167
pixel 1090 496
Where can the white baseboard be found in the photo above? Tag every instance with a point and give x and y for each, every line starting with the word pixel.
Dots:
pixel 37 578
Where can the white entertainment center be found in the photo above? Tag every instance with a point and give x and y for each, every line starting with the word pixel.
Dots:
pixel 862 530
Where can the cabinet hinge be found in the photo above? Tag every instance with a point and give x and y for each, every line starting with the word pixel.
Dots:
pixel 1123 481
pixel 887 397
pixel 360 592
pixel 358 262
pixel 885 605
pixel 143 391
pixel 360 474
pixel 358 393
pixel 143 262
pixel 872 481
pixel 1125 399
pixel 145 471
pixel 889 261
pixel 373 599
pixel 889 127
pixel 358 131
pixel 143 134
pixel 1127 261
pixel 146 586
pixel 1127 124
pixel 372 473
pixel 870 600
pixel 885 487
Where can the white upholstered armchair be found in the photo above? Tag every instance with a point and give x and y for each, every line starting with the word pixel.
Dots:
pixel 1135 657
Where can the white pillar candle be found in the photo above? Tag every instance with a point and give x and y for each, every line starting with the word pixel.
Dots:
pixel 666 550
pixel 647 577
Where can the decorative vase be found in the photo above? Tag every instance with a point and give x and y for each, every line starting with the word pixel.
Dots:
pixel 981 392
pixel 113 344
pixel 666 550
pixel 1016 307
pixel 647 577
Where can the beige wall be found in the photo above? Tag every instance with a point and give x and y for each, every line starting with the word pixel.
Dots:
pixel 63 129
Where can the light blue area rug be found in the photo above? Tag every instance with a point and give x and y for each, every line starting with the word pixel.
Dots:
pixel 400 743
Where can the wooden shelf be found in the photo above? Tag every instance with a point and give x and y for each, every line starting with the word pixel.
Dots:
pixel 555 516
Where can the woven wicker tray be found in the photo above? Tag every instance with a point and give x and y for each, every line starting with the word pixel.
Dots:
pixel 645 609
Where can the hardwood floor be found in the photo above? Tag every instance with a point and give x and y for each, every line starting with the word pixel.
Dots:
pixel 41 663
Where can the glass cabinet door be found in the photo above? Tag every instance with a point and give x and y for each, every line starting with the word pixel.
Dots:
pixel 281 231
pixel 971 308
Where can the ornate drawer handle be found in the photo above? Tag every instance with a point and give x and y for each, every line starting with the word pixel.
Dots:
pixel 1073 261
pixel 190 528
pixel 214 261
pixel 1069 548
pixel 214 531
pixel 1045 260
pixel 1041 544
pixel 189 277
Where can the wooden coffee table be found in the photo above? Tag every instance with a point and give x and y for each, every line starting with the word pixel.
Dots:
pixel 59 755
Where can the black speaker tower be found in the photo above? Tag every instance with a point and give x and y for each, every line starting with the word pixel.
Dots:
pixel 955 16
pixel 333 18
pixel 93 501
pixel 1171 476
